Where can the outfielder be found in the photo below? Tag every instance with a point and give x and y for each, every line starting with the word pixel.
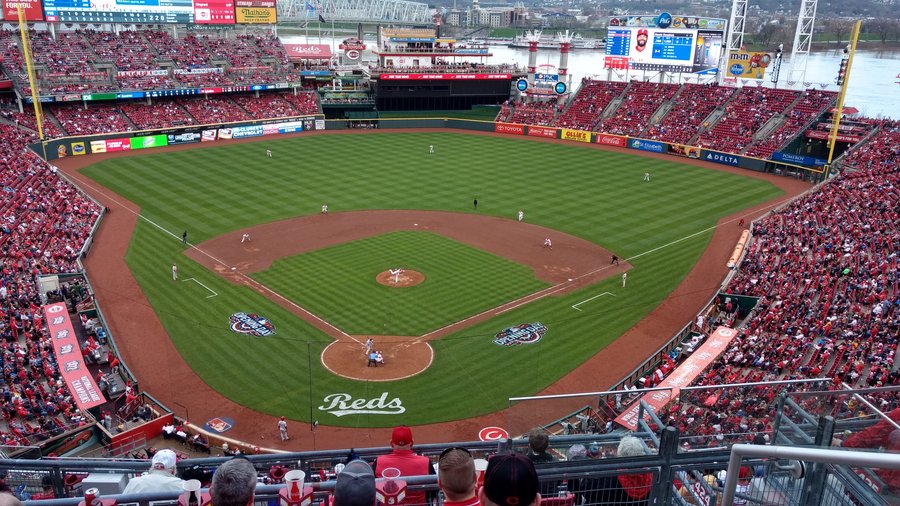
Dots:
pixel 174 272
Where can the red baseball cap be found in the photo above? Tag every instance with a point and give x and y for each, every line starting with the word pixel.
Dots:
pixel 402 436
pixel 644 32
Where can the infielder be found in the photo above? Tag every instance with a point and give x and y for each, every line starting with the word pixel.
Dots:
pixel 282 429
pixel 624 278
pixel 245 238
pixel 548 243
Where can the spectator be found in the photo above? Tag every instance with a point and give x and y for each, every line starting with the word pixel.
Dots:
pixel 161 477
pixel 632 488
pixel 457 477
pixel 355 485
pixel 234 483
pixel 538 442
pixel 510 480
pixel 7 499
pixel 407 462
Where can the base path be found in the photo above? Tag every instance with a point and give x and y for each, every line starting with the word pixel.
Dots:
pixel 150 355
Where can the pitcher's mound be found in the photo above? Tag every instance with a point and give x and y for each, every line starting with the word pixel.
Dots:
pixel 403 279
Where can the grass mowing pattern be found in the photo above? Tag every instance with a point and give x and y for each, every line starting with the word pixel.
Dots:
pixel 459 281
pixel 597 195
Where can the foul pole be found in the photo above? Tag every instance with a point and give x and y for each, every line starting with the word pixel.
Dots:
pixel 29 65
pixel 839 110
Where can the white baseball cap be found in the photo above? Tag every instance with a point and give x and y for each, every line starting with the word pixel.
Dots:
pixel 164 459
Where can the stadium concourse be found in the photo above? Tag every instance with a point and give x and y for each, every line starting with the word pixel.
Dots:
pixel 825 267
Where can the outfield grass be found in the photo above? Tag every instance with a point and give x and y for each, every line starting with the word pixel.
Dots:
pixel 597 195
pixel 459 281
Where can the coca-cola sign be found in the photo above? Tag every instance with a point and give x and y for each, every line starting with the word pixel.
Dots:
pixel 611 140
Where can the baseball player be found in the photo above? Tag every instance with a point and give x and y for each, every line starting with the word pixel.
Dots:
pixel 245 238
pixel 174 272
pixel 521 215
pixel 370 346
pixel 269 153
pixel 431 149
pixel 324 208
pixel 548 243
pixel 282 429
pixel 624 278
pixel 647 177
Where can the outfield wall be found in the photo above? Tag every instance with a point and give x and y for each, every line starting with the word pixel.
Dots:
pixel 130 141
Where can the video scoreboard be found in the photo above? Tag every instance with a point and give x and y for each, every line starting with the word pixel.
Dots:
pixel 665 43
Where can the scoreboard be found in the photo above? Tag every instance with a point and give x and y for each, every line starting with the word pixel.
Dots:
pixel 664 43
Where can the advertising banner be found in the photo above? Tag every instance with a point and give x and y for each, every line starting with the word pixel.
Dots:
pixel 536 131
pixel 444 77
pixel 224 133
pixel 611 140
pixel 817 134
pixel 509 128
pixel 242 132
pixel 254 12
pixel 723 158
pixel 290 127
pixel 747 65
pixel 682 150
pixel 184 138
pixel 207 135
pixel 798 159
pixel 68 355
pixel 575 135
pixel 308 51
pixel 32 8
pixel 110 145
pixel 641 144
pixel 682 376
pixel 214 12
pixel 78 148
pixel 320 124
pixel 149 141
pixel 141 73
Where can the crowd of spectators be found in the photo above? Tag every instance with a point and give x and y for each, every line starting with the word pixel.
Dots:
pixel 881 152
pixel 45 222
pixel 93 119
pixel 804 112
pixel 585 109
pixel 535 113
pixel 270 105
pixel 214 109
pixel 691 106
pixel 160 114
pixel 744 115
pixel 642 100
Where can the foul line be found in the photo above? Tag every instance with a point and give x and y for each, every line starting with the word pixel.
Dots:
pixel 204 286
pixel 575 306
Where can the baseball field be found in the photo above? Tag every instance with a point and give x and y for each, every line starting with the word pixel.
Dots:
pixel 308 279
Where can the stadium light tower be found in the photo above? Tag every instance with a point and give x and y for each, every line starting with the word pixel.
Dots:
pixel 735 38
pixel 802 41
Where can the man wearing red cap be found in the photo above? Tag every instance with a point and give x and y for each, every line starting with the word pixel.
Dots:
pixel 642 36
pixel 408 463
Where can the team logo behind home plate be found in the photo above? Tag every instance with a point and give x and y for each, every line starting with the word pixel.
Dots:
pixel 253 324
pixel 526 333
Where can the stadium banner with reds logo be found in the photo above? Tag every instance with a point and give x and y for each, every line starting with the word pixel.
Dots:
pixel 214 12
pixel 255 12
pixel 652 146
pixel 718 157
pixel 71 362
pixel 818 134
pixel 747 65
pixel 537 131
pixel 575 135
pixel 682 376
pixel 611 140
pixel 509 128
pixel 308 51
pixel 33 10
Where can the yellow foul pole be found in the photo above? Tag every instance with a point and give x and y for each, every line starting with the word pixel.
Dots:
pixel 836 119
pixel 32 80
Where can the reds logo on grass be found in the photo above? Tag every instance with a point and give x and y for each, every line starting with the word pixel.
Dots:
pixel 253 324
pixel 526 333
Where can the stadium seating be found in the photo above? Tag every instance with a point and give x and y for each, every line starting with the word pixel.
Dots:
pixel 157 115
pixel 634 113
pixel 535 113
pixel 45 222
pixel 807 110
pixel 585 109
pixel 693 104
pixel 750 109
pixel 880 153
pixel 305 102
pixel 95 119
pixel 212 109
pixel 270 105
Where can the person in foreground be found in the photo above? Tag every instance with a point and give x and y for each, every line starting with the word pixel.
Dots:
pixel 457 477
pixel 510 480
pixel 234 483
pixel 161 477
pixel 355 485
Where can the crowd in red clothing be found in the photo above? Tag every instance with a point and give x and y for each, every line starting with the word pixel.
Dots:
pixel 744 116
pixel 881 152
pixel 534 113
pixel 45 222
pixel 585 109
pixel 691 106
pixel 804 112
pixel 641 101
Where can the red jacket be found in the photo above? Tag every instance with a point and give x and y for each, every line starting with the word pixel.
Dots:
pixel 409 464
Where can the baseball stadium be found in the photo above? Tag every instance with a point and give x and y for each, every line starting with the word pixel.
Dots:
pixel 668 279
